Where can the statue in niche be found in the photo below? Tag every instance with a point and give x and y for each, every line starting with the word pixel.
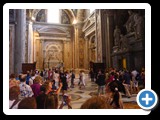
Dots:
pixel 139 26
pixel 123 43
pixel 117 33
pixel 130 22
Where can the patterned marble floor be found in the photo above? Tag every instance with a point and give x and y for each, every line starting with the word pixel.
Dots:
pixel 80 96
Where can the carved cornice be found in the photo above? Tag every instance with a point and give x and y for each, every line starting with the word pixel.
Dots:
pixel 53 34
pixel 89 25
pixel 92 15
pixel 52 28
pixel 54 38
pixel 52 24
pixel 90 30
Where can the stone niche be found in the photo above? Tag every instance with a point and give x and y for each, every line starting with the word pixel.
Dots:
pixel 53 45
pixel 53 52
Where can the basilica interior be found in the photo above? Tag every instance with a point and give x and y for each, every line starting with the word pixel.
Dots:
pixel 79 39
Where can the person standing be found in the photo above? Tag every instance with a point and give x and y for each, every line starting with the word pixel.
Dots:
pixel 72 79
pixel 91 73
pixel 101 82
pixel 25 90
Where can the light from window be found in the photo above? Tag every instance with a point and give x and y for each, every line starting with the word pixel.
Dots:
pixel 91 10
pixel 74 21
pixel 53 16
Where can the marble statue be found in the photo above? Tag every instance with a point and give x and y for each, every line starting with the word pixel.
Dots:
pixel 139 26
pixel 123 44
pixel 117 33
pixel 130 22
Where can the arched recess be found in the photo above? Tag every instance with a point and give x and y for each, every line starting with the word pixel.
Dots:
pixel 53 54
pixel 69 12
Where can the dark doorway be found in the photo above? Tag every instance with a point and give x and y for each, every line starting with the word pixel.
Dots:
pixel 120 64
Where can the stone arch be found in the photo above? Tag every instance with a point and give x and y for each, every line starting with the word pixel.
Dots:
pixel 41 16
pixel 49 45
pixel 92 37
pixel 69 12
pixel 35 12
pixel 46 29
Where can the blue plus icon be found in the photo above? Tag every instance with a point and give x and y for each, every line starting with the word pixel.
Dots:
pixel 147 99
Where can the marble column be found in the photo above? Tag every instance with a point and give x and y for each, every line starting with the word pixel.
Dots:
pixel 35 34
pixel 76 48
pixel 96 34
pixel 81 14
pixel 41 43
pixel 30 42
pixel 73 51
pixel 99 36
pixel 65 54
pixel 110 29
pixel 107 18
pixel 20 40
pixel 104 31
pixel 11 47
pixel 44 58
pixel 86 54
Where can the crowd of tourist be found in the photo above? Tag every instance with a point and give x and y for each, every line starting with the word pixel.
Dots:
pixel 41 89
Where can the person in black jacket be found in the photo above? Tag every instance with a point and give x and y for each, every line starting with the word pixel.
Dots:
pixel 101 82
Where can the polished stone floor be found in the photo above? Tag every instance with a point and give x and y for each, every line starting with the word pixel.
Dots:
pixel 79 96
